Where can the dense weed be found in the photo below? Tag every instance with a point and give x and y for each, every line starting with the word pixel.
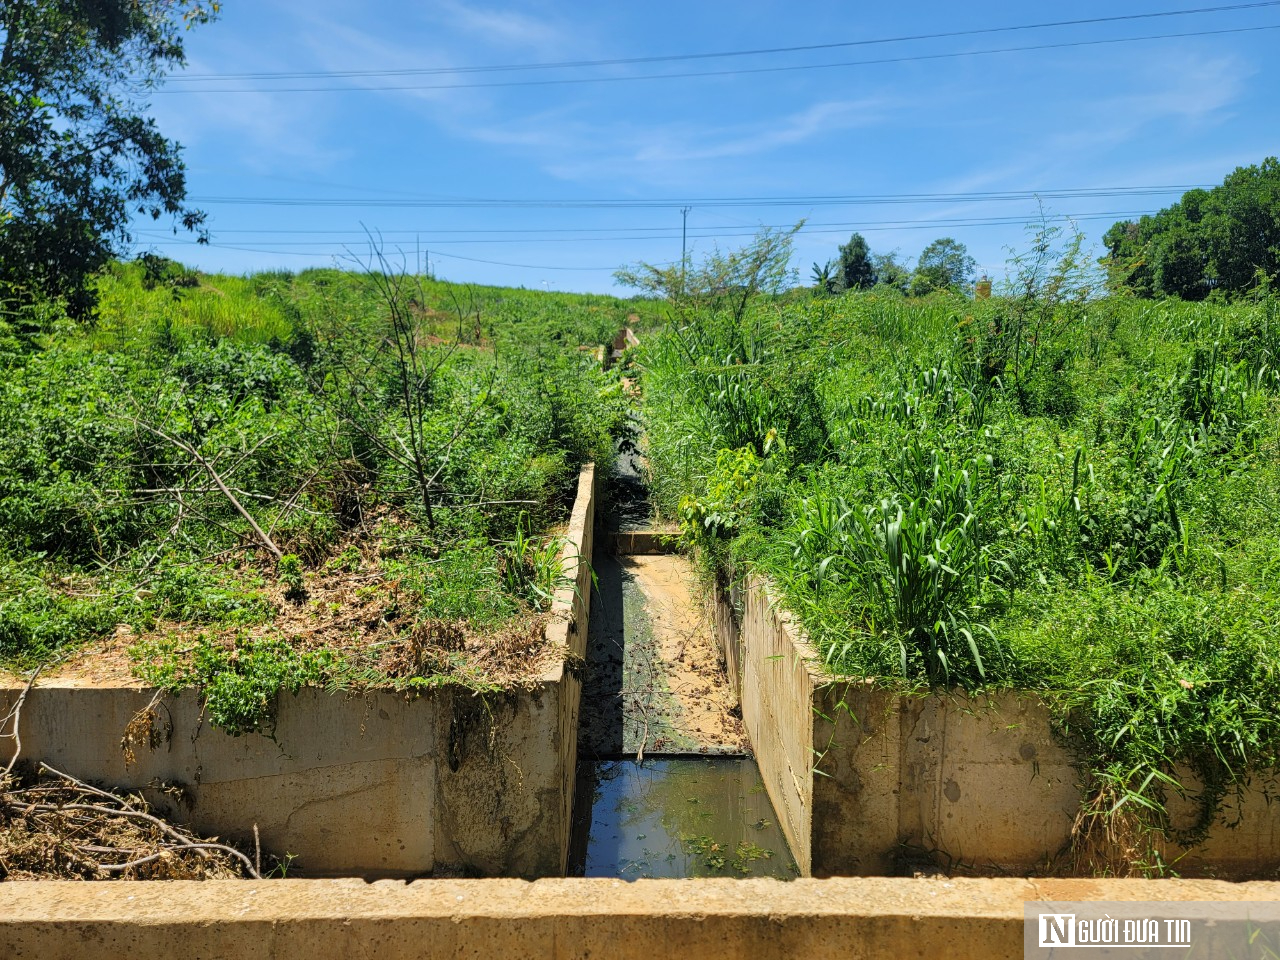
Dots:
pixel 224 459
pixel 1076 496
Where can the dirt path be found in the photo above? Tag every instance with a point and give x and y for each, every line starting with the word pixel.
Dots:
pixel 654 682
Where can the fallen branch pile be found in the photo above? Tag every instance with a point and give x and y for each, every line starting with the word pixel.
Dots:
pixel 53 826
pixel 56 827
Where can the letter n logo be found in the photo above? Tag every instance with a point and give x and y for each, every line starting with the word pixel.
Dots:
pixel 1057 930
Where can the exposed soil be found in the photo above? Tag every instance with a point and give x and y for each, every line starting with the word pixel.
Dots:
pixel 654 680
pixel 362 615
pixel 687 656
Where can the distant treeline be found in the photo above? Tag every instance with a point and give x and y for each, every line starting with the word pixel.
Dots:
pixel 1225 239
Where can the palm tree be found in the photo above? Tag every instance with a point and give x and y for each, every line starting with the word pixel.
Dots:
pixel 823 280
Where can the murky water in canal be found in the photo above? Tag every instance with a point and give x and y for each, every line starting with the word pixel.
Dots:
pixel 663 790
pixel 676 817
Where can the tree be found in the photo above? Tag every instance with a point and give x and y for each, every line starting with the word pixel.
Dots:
pixel 723 281
pixel 891 273
pixel 943 264
pixel 1227 238
pixel 78 155
pixel 824 278
pixel 854 270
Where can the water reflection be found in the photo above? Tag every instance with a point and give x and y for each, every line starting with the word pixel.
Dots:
pixel 687 817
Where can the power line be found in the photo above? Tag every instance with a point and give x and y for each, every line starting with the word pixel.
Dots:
pixel 723 73
pixel 684 57
pixel 706 234
pixel 1071 193
pixel 344 252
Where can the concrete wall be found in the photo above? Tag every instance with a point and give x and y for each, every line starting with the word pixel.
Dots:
pixel 968 785
pixel 725 612
pixel 573 609
pixel 981 785
pixel 844 919
pixel 372 784
pixel 631 543
pixel 777 695
pixel 867 782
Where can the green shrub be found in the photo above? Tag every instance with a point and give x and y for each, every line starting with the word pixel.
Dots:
pixel 240 683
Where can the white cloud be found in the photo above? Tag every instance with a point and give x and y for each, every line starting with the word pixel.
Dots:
pixel 258 131
pixel 1186 89
pixel 572 148
pixel 700 143
pixel 505 27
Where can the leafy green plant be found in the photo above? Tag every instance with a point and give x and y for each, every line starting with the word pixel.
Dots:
pixel 731 492
pixel 159 469
pixel 914 567
pixel 1046 490
pixel 289 570
pixel 239 683
pixel 531 568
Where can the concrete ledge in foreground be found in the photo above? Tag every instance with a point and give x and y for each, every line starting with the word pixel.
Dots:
pixel 852 918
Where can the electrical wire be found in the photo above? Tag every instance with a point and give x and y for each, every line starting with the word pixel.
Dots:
pixel 650 232
pixel 1003 196
pixel 347 254
pixel 684 57
pixel 567 81
pixel 433 238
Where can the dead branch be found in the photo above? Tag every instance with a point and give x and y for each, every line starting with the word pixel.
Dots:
pixel 217 479
pixel 116 807
pixel 15 714
pixel 291 504
pixel 51 831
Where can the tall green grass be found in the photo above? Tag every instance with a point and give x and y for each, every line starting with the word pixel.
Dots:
pixel 1079 499
pixel 273 306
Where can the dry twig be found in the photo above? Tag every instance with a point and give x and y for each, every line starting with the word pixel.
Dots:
pixel 61 827
pixel 15 714
pixel 216 477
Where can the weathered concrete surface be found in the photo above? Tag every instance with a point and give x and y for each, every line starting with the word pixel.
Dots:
pixel 967 784
pixel 725 610
pixel 573 607
pixel 848 919
pixel 777 707
pixel 375 784
pixel 623 339
pixel 347 781
pixel 981 785
pixel 970 784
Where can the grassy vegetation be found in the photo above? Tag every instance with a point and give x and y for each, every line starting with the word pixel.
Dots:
pixel 1072 495
pixel 136 303
pixel 256 483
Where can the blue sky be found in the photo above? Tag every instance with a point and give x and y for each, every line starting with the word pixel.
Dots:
pixel 578 178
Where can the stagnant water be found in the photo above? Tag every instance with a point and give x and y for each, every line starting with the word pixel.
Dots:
pixel 655 687
pixel 676 817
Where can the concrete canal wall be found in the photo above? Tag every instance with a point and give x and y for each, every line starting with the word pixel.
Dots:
pixel 868 782
pixel 374 784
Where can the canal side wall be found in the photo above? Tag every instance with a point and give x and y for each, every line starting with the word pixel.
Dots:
pixel 572 607
pixel 777 694
pixel 868 782
pixel 374 784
